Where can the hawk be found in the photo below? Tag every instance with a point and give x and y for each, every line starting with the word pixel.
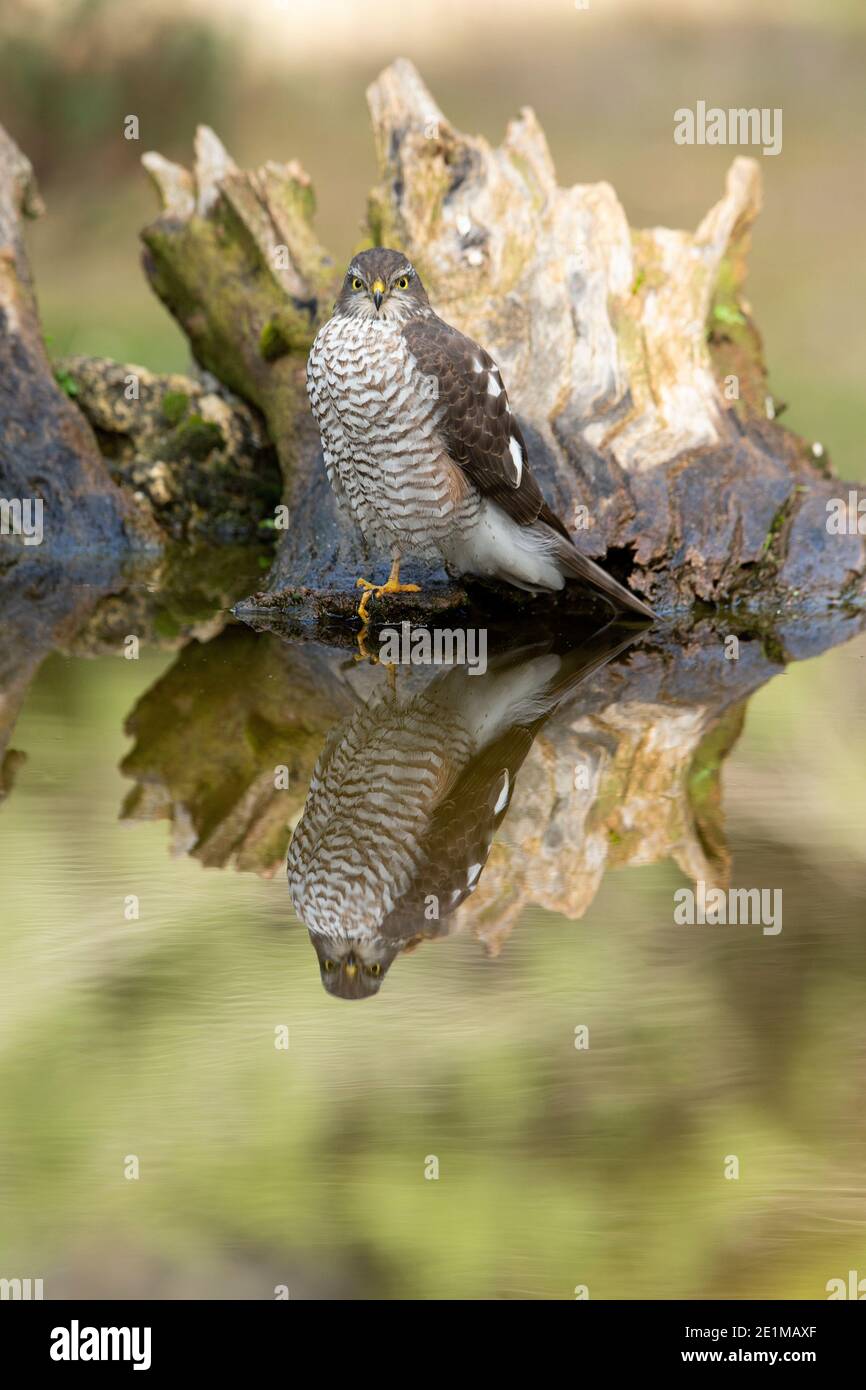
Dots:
pixel 421 446
pixel 406 798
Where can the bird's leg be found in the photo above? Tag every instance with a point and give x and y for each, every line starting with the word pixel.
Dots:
pixel 369 590
pixel 362 653
pixel 391 586
pixel 394 586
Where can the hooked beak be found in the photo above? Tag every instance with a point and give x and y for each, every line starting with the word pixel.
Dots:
pixel 378 291
pixel 351 963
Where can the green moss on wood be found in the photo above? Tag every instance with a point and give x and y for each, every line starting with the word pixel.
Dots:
pixel 272 342
pixel 194 438
pixel 66 381
pixel 174 406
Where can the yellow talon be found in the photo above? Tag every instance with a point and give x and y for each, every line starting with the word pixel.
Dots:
pixel 391 586
pixel 397 588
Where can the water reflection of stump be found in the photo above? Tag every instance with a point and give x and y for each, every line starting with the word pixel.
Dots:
pixel 618 765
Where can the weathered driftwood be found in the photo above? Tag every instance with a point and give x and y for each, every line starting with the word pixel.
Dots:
pixel 167 601
pixel 47 449
pixel 630 356
pixel 234 258
pixel 192 451
pixel 649 738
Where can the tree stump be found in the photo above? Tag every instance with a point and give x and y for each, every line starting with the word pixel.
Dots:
pixel 48 453
pixel 631 358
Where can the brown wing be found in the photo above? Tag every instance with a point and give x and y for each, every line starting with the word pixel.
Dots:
pixel 479 431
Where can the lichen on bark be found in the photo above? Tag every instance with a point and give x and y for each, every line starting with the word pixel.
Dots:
pixel 631 356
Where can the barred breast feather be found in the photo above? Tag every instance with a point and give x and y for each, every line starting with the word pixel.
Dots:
pixel 380 421
pixel 424 453
pixel 360 845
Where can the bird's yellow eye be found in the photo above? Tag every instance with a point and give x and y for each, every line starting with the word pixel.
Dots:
pixel 357 284
pixel 328 966
pixel 403 282
pixel 375 968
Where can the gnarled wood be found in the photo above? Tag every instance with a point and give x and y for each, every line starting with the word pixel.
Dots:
pixel 198 456
pixel 47 450
pixel 234 258
pixel 630 356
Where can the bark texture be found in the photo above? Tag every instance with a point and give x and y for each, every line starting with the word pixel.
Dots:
pixel 47 449
pixel 198 456
pixel 630 356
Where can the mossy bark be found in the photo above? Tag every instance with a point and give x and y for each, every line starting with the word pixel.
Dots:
pixel 234 257
pixel 631 357
pixel 48 453
pixel 196 454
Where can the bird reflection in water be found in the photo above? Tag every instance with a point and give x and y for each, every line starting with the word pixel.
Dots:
pixel 407 796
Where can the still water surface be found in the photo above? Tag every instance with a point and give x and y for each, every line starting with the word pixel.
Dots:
pixel 489 864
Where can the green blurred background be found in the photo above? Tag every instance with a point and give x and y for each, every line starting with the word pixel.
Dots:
pixel 286 78
pixel 155 1037
pixel 305 1167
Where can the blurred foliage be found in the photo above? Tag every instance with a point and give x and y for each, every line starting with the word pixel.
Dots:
pixel 604 82
pixel 156 1037
pixel 70 75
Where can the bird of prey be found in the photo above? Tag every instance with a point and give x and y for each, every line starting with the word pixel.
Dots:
pixel 406 797
pixel 421 446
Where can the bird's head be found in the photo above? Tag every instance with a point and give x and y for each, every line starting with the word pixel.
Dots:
pixel 353 969
pixel 381 284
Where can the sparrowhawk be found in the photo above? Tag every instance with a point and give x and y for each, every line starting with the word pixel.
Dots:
pixel 421 446
pixel 405 800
